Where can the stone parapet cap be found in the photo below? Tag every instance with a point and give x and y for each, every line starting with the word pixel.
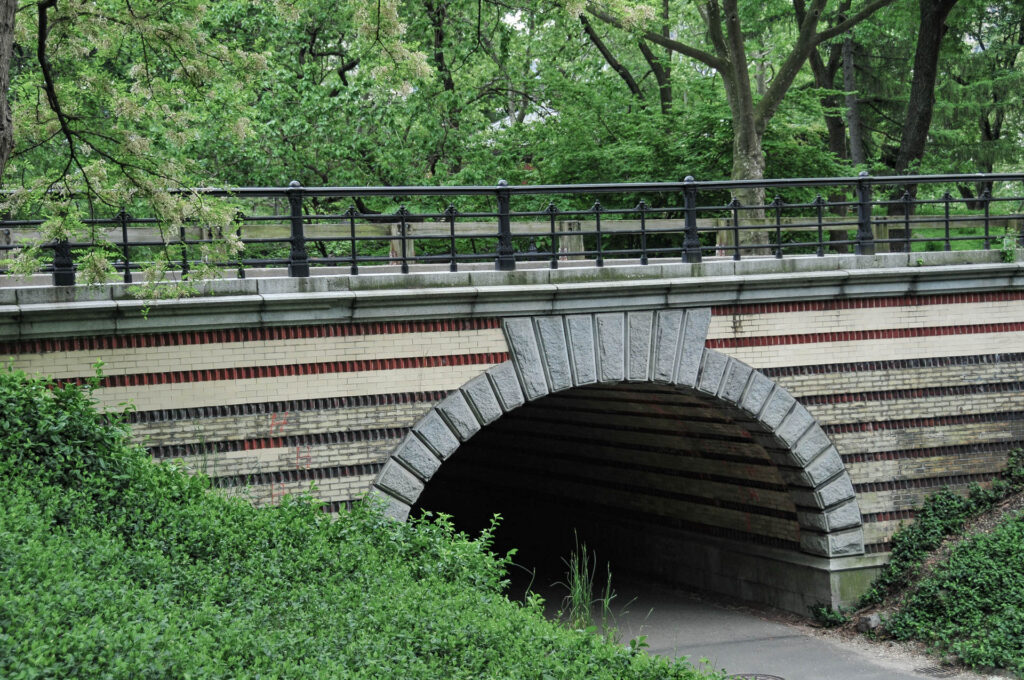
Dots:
pixel 377 294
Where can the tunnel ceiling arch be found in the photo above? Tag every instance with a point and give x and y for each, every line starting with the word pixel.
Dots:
pixel 550 354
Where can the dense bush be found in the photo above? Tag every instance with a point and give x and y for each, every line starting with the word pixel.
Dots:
pixel 973 604
pixel 942 514
pixel 114 567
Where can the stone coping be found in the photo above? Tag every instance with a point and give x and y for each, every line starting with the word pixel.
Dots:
pixel 49 311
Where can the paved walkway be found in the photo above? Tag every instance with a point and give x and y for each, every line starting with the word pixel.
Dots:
pixel 744 642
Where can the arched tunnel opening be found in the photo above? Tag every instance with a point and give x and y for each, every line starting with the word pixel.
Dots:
pixel 661 483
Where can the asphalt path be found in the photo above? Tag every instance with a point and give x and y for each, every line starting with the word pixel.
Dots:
pixel 746 641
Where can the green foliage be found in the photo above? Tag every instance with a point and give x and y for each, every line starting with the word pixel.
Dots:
pixel 942 515
pixel 114 567
pixel 973 604
pixel 827 616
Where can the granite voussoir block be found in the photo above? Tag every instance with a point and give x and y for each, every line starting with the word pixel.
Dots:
pixel 776 408
pixel 669 324
pixel 640 326
pixel 555 352
pixel 436 434
pixel 834 544
pixel 794 425
pixel 611 339
pixel 399 482
pixel 526 356
pixel 827 465
pixel 420 460
pixel 736 377
pixel 506 386
pixel 695 334
pixel 457 412
pixel 393 508
pixel 811 444
pixel 581 347
pixel 712 371
pixel 480 394
pixel 835 492
pixel 844 516
pixel 758 389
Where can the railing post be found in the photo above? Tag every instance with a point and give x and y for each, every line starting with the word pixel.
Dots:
pixel 691 239
pixel 865 237
pixel 505 260
pixel 124 218
pixel 63 266
pixel 298 259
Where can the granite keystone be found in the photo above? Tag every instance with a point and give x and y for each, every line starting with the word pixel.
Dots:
pixel 610 347
pixel 640 327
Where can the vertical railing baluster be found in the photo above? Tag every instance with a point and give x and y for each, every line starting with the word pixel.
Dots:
pixel 642 208
pixel 907 209
pixel 298 259
pixel 597 217
pixel 552 213
pixel 777 204
pixel 354 256
pixel 691 238
pixel 819 209
pixel 182 237
pixel 122 218
pixel 240 218
pixel 63 265
pixel 735 206
pixel 865 238
pixel 403 226
pixel 505 257
pixel 450 213
pixel 946 198
pixel 986 198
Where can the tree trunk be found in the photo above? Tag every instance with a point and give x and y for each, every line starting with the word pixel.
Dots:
pixel 918 118
pixel 931 29
pixel 7 10
pixel 852 105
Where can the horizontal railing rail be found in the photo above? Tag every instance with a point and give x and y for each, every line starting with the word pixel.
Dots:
pixel 302 228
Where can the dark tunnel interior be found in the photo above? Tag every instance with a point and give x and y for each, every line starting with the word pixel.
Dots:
pixel 650 478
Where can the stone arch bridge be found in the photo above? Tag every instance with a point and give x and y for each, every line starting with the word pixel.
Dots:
pixel 758 428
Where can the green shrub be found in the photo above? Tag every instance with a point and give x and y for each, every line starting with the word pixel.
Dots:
pixel 942 514
pixel 973 604
pixel 114 567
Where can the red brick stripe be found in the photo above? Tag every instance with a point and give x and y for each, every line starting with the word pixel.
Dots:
pixel 254 334
pixel 324 367
pixel 846 336
pixel 866 303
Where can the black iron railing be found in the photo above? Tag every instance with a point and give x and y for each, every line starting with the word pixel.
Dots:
pixel 303 228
